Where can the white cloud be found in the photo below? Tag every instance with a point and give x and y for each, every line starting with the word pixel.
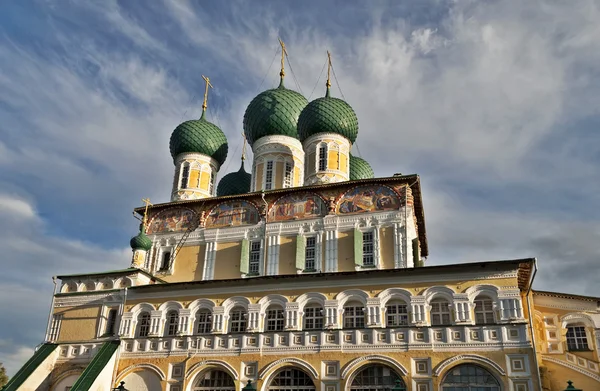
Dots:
pixel 15 206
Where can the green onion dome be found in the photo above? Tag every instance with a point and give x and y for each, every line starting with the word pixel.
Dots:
pixel 328 115
pixel 273 112
pixel 140 241
pixel 360 169
pixel 199 136
pixel 234 183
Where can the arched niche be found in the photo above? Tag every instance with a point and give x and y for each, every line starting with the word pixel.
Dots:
pixel 364 199
pixel 297 207
pixel 232 214
pixel 172 220
pixel 142 380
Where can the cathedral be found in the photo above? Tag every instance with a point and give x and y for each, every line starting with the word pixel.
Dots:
pixel 302 271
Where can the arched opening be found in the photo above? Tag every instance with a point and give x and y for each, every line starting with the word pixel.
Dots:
pixel 396 312
pixel 172 323
pixel 143 380
pixel 484 310
pixel 237 320
pixel 354 316
pixel 203 321
pixel 275 320
pixel 313 317
pixel 143 324
pixel 470 377
pixel 577 338
pixel 214 380
pixel 291 379
pixel 65 383
pixel 376 377
pixel 440 312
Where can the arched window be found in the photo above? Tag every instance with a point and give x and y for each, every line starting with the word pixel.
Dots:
pixel 484 310
pixel 203 322
pixel 354 316
pixel 214 380
pixel 143 324
pixel 469 377
pixel 211 182
pixel 322 162
pixel 172 323
pixel 237 320
pixel 288 175
pixel 185 176
pixel 376 377
pixel 313 317
pixel 577 338
pixel 275 319
pixel 269 175
pixel 440 312
pixel 291 379
pixel 396 313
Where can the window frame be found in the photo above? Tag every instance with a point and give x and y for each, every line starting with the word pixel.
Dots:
pixel 172 323
pixel 402 318
pixel 184 179
pixel 238 325
pixel 444 305
pixel 206 323
pixel 269 174
pixel 322 152
pixel 487 313
pixel 275 318
pixel 307 250
pixel 254 257
pixel 357 317
pixel 288 175
pixel 581 339
pixel 144 322
pixel 368 254
pixel 314 314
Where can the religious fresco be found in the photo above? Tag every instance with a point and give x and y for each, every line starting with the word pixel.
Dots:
pixel 171 220
pixel 368 199
pixel 297 206
pixel 231 214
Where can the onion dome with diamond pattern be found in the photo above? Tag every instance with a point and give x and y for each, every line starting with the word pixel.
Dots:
pixel 140 241
pixel 199 136
pixel 273 112
pixel 360 169
pixel 328 115
pixel 234 183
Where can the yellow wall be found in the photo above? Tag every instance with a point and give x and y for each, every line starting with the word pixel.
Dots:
pixel 297 176
pixel 343 162
pixel 193 181
pixel 332 160
pixel 204 179
pixel 386 247
pixel 287 255
pixel 555 377
pixel 259 177
pixel 346 251
pixel 78 323
pixel 278 180
pixel 227 262
pixel 188 265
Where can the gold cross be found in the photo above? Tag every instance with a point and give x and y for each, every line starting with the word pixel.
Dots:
pixel 204 105
pixel 148 203
pixel 328 84
pixel 283 54
pixel 244 147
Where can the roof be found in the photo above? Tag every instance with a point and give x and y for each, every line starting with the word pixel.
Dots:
pixel 566 296
pixel 413 181
pixel 523 266
pixel 109 272
pixel 30 366
pixel 91 372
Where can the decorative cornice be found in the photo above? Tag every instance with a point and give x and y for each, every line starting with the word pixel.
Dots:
pixel 571 366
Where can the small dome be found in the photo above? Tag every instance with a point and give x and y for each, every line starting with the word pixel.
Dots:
pixel 199 136
pixel 360 169
pixel 140 241
pixel 234 183
pixel 273 112
pixel 328 115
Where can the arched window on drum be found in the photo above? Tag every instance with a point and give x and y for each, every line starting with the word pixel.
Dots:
pixel 469 377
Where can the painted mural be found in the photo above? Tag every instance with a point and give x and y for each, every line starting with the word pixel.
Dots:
pixel 172 220
pixel 297 206
pixel 368 199
pixel 232 214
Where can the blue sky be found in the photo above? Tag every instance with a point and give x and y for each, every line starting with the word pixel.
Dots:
pixel 493 103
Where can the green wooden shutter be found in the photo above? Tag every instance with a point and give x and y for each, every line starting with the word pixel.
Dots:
pixel 358 247
pixel 300 252
pixel 245 257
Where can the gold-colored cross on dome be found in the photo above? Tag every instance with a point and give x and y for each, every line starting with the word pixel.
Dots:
pixel 244 147
pixel 328 83
pixel 283 54
pixel 204 104
pixel 148 203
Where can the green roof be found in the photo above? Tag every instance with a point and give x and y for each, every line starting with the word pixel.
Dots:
pixel 328 115
pixel 235 183
pixel 273 112
pixel 91 372
pixel 141 241
pixel 360 168
pixel 199 136
pixel 30 366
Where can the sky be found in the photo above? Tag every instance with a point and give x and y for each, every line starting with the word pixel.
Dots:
pixel 493 103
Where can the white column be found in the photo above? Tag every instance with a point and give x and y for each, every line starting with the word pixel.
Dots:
pixel 253 317
pixel 291 316
pixel 331 311
pixel 217 319
pixel 273 243
pixel 419 309
pixel 376 254
pixel 155 322
pixel 399 262
pixel 374 312
pixel 331 251
pixel 209 261
pixel 184 321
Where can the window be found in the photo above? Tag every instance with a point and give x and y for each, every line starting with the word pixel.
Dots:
pixel 368 259
pixel 291 379
pixel 354 316
pixel 172 322
pixel 484 310
pixel 111 319
pixel 375 378
pixel 203 322
pixel 237 320
pixel 313 318
pixel 576 338
pixel 166 260
pixel 144 324
pixel 185 176
pixel 309 260
pixel 397 314
pixel 269 176
pixel 254 261
pixel 322 157
pixel 440 312
pixel 211 183
pixel 55 327
pixel 468 377
pixel 214 380
pixel 288 179
pixel 275 319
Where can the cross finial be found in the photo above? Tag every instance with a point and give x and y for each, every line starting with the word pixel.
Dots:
pixel 283 54
pixel 204 104
pixel 328 83
pixel 145 219
pixel 243 148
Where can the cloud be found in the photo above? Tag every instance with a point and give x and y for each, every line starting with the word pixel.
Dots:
pixel 16 207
